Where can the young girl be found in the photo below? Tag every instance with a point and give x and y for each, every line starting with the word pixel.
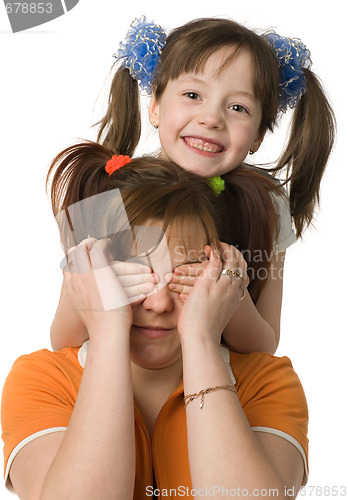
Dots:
pixel 149 407
pixel 217 88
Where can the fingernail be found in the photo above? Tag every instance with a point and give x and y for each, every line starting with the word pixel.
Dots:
pixel 168 277
pixel 146 288
pixel 155 278
pixel 179 272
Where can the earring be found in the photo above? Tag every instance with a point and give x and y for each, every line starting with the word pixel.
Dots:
pixel 251 152
pixel 154 125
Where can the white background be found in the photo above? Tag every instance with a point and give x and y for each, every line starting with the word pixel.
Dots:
pixel 52 89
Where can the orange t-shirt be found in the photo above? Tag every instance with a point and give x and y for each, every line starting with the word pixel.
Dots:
pixel 41 390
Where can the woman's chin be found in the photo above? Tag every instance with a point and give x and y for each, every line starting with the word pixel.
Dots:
pixel 155 357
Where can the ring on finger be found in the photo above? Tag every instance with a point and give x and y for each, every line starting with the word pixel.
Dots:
pixel 233 273
pixel 71 263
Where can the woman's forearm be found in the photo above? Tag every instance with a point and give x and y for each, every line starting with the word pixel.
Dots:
pixel 223 450
pixel 97 456
pixel 67 329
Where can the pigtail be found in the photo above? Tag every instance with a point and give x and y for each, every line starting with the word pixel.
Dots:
pixel 307 151
pixel 77 173
pixel 120 128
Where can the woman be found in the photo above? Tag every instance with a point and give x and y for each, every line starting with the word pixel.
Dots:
pixel 152 404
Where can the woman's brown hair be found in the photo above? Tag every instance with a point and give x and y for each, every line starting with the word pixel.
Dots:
pixel 157 189
pixel 187 49
pixel 147 188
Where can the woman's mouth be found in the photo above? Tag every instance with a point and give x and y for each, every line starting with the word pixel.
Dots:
pixel 203 145
pixel 152 332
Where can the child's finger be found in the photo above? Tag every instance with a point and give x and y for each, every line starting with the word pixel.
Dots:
pixel 143 288
pixel 111 291
pixel 138 279
pixel 134 301
pixel 184 280
pixel 129 268
pixel 214 266
pixel 179 288
pixel 194 269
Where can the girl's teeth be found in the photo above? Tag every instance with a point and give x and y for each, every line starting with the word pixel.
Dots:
pixel 201 147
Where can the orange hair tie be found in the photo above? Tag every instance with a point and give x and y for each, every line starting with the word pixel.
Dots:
pixel 116 162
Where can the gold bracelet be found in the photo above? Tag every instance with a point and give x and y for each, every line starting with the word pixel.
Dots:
pixel 191 397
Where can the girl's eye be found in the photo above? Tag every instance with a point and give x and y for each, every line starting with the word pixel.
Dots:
pixel 239 108
pixel 192 95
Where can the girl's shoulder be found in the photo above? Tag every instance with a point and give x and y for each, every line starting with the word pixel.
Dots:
pixel 286 235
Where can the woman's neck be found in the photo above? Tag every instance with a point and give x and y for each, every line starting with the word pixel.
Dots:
pixel 167 378
pixel 152 388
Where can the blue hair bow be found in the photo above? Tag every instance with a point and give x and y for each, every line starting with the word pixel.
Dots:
pixel 141 51
pixel 292 57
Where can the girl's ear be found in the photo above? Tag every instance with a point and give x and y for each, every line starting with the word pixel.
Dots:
pixel 257 143
pixel 154 110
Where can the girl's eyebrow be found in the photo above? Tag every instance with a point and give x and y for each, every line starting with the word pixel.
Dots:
pixel 246 94
pixel 190 78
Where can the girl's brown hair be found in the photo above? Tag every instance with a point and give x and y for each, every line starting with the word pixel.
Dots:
pixel 187 49
pixel 156 189
pixel 150 189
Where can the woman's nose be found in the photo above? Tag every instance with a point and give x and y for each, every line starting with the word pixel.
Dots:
pixel 160 301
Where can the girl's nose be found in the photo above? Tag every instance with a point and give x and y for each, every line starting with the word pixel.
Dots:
pixel 211 117
pixel 160 301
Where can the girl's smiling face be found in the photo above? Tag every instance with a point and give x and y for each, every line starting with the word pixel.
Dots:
pixel 210 120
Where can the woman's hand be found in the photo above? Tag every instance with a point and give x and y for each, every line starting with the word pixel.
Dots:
pixel 214 296
pixel 94 289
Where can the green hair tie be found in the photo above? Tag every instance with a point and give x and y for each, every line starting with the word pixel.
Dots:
pixel 217 184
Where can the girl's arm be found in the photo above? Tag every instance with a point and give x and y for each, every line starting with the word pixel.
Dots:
pixel 95 457
pixel 223 450
pixel 253 327
pixel 256 327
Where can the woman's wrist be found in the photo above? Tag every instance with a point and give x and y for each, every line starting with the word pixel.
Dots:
pixel 204 367
pixel 200 341
pixel 115 333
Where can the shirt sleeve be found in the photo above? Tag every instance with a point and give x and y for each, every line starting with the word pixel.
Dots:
pixel 286 234
pixel 273 399
pixel 38 397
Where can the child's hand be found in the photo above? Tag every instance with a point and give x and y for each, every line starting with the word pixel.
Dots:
pixel 183 278
pixel 137 279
